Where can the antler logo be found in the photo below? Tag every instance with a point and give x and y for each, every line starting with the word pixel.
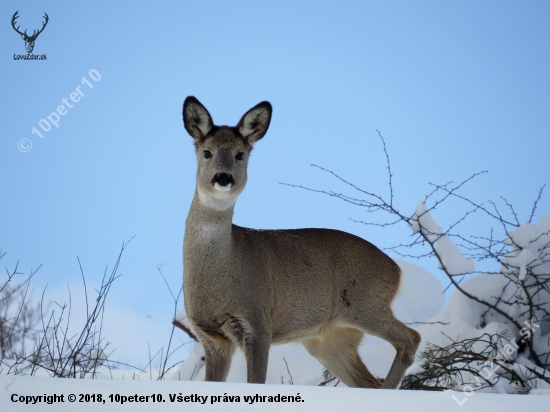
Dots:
pixel 29 40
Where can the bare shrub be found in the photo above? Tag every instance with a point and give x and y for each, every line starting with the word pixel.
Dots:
pixel 521 254
pixel 18 317
pixel 56 348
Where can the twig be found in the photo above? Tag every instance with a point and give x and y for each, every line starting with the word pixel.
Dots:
pixel 291 381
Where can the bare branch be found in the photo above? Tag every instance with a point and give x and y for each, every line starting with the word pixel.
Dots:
pixel 535 204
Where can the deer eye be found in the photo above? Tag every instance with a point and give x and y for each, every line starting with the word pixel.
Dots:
pixel 207 154
pixel 239 156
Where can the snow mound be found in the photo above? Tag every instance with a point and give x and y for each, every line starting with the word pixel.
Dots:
pixel 421 295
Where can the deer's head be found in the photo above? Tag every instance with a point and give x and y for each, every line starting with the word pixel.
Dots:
pixel 29 40
pixel 222 151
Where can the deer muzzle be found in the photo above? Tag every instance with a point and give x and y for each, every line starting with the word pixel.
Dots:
pixel 223 181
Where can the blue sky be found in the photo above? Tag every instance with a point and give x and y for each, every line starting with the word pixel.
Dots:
pixel 455 88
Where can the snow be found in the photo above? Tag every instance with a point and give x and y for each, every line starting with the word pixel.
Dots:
pixel 464 318
pixel 421 295
pixel 182 318
pixel 449 253
pixel 452 258
pixel 312 398
pixel 189 369
pixel 531 248
pixel 423 220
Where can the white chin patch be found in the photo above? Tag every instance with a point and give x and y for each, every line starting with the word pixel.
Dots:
pixel 221 188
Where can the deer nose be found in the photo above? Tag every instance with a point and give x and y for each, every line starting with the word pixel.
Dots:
pixel 223 179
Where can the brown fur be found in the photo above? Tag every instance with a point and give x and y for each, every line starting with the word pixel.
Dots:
pixel 252 288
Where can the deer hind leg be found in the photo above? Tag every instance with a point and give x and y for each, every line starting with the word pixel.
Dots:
pixel 404 339
pixel 336 349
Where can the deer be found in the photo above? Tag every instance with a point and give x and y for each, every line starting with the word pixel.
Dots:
pixel 29 40
pixel 247 288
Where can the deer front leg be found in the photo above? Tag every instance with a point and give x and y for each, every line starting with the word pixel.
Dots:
pixel 254 337
pixel 256 350
pixel 217 359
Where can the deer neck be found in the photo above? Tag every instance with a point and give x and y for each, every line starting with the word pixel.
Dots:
pixel 207 231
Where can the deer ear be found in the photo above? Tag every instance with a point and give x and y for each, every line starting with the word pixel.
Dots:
pixel 196 119
pixel 254 124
